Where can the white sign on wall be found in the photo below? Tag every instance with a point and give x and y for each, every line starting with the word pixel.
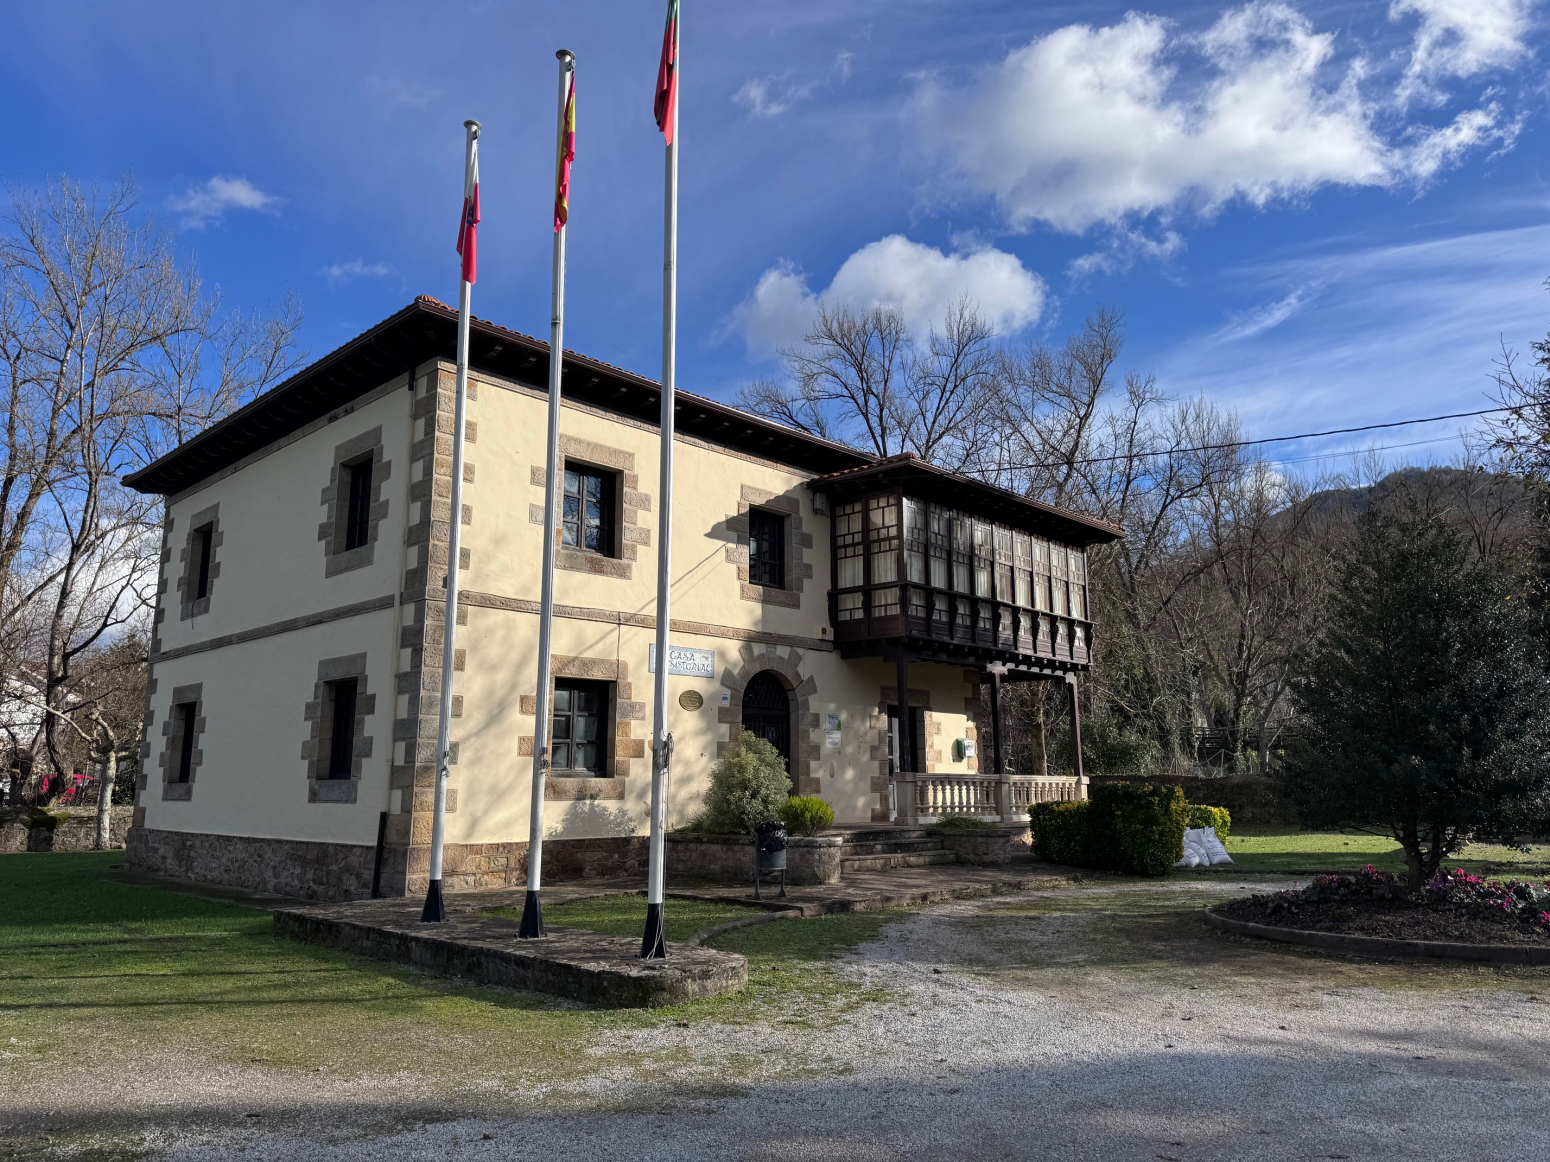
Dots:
pixel 685 662
pixel 831 739
pixel 831 721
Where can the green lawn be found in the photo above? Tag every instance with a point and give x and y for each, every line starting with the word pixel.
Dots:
pixel 90 969
pixel 1284 849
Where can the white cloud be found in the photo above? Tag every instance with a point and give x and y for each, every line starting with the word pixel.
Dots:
pixel 1460 38
pixel 1262 318
pixel 201 205
pixel 1121 249
pixel 921 281
pixel 1097 125
pixel 344 271
pixel 770 96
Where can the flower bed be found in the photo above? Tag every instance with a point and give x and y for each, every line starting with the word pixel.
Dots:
pixel 1453 907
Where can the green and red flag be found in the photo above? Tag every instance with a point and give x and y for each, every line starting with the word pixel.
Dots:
pixel 567 155
pixel 667 75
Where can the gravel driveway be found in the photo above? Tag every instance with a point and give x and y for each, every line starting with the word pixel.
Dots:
pixel 1098 1022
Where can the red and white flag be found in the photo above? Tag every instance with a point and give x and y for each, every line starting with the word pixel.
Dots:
pixel 468 225
pixel 665 106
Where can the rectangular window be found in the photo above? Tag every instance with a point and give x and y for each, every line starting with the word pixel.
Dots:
pixel 885 601
pixel 587 517
pixel 963 552
pixel 204 539
pixel 914 541
pixel 983 620
pixel 849 547
pixel 186 712
pixel 1003 564
pixel 883 540
pixel 577 739
pixel 939 538
pixel 1024 630
pixel 1040 573
pixel 766 548
pixel 1022 566
pixel 848 607
pixel 1058 578
pixel 1004 626
pixel 982 559
pixel 940 612
pixel 357 523
pixel 962 619
pixel 1078 570
pixel 341 738
pixel 918 603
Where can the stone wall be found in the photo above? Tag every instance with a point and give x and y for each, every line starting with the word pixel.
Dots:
pixel 729 858
pixel 343 871
pixel 74 831
pixel 985 847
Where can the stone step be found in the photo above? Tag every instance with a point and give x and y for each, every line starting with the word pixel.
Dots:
pixel 889 847
pixel 874 863
pixel 886 834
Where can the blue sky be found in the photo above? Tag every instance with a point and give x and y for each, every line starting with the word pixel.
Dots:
pixel 1317 214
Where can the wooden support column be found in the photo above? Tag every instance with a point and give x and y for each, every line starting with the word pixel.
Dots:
pixel 995 722
pixel 904 779
pixel 1076 738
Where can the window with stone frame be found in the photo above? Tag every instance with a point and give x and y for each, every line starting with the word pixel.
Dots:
pixel 357 521
pixel 341 716
pixel 185 715
pixel 199 560
pixel 578 739
pixel 766 548
pixel 587 510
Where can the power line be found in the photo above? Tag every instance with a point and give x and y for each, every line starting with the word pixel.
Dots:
pixel 1251 443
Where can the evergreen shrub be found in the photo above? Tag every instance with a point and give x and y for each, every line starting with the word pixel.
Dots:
pixel 1061 833
pixel 748 786
pixel 1218 817
pixel 806 815
pixel 1129 827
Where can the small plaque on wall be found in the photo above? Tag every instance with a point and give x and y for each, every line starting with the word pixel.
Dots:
pixel 691 700
pixel 831 739
pixel 831 721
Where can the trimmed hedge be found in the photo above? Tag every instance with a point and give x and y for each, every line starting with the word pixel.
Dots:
pixel 1130 827
pixel 806 815
pixel 1218 817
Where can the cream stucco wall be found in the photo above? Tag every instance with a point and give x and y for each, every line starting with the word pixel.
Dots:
pixel 272 570
pixel 253 778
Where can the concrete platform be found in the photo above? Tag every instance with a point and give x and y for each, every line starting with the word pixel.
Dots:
pixel 582 966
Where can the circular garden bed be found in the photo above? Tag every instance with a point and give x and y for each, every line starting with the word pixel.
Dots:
pixel 1456 916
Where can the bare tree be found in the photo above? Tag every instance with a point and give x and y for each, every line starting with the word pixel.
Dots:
pixel 860 378
pixel 112 353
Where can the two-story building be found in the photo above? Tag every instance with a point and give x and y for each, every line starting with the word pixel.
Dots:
pixel 292 714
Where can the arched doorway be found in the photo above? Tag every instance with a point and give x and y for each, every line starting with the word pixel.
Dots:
pixel 767 713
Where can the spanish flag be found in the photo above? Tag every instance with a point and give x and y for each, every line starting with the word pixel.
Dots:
pixel 667 76
pixel 567 155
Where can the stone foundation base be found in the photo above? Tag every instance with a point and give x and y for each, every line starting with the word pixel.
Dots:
pixel 343 871
pixel 813 860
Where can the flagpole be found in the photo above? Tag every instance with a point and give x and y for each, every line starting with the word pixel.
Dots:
pixel 654 944
pixel 532 909
pixel 435 907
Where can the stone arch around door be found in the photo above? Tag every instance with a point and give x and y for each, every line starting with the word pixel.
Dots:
pixel 786 667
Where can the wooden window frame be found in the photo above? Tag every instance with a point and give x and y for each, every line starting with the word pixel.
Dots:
pixel 608 504
pixel 606 714
pixel 767 532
